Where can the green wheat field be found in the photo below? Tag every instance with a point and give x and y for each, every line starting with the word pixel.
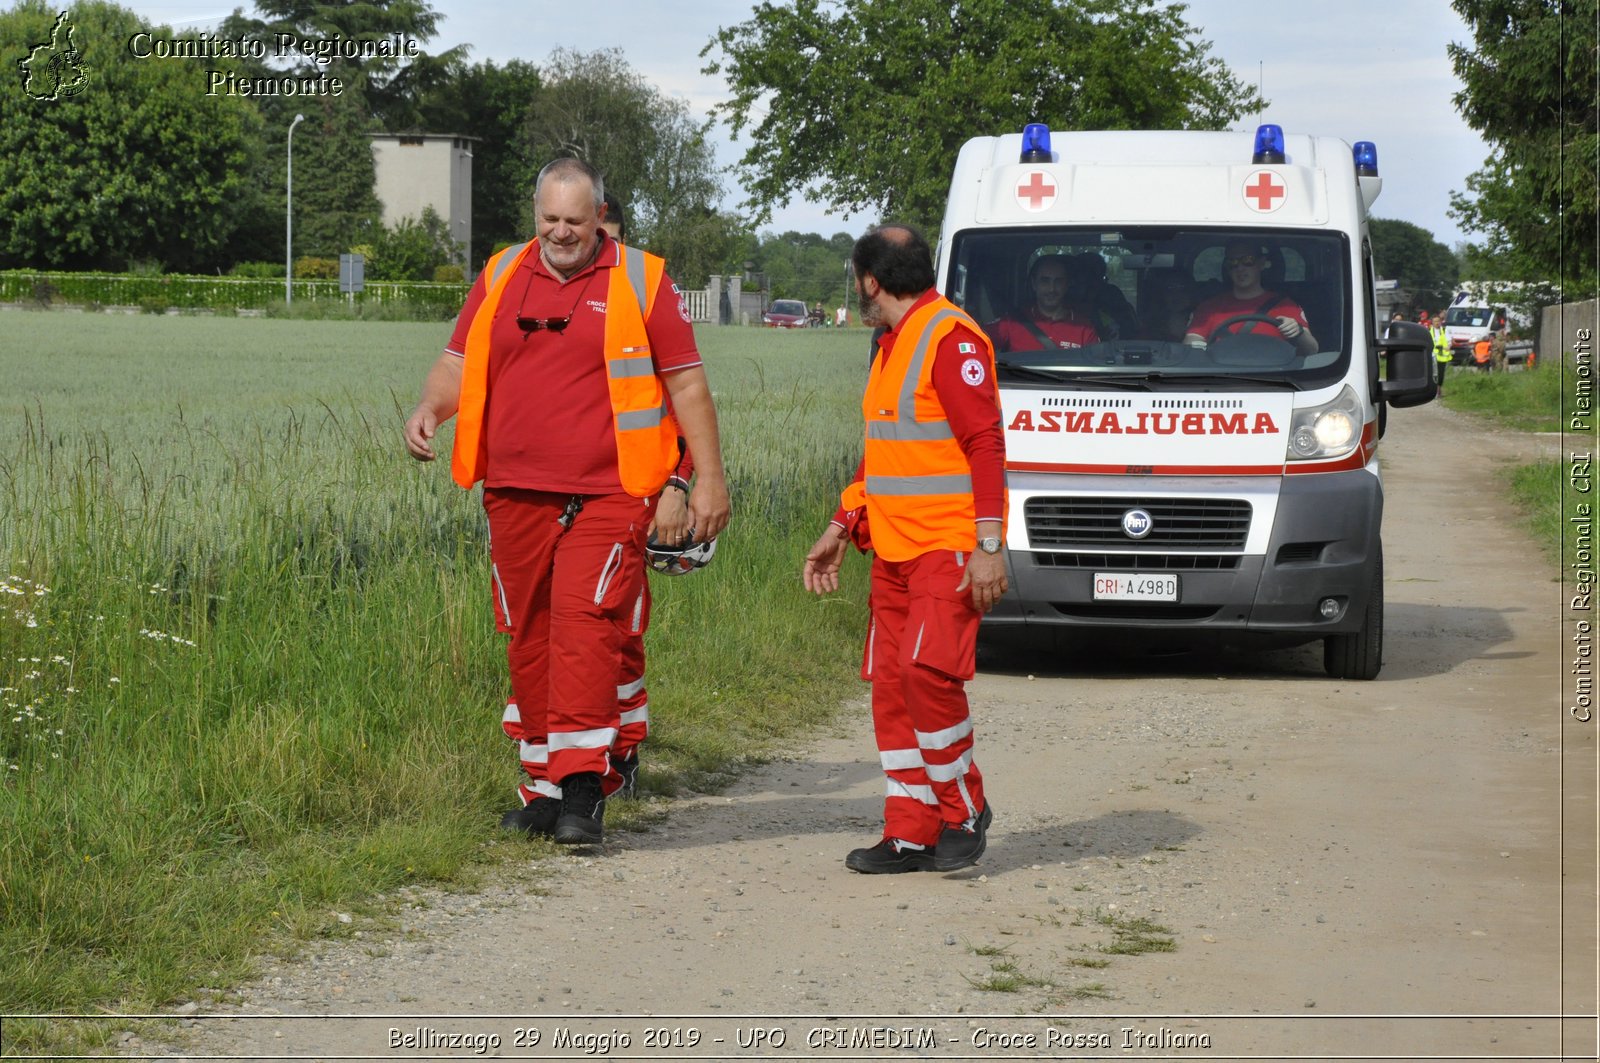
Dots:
pixel 247 664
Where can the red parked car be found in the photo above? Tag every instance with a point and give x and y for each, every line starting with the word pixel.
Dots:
pixel 785 313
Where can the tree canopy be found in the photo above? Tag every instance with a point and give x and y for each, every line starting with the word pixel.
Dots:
pixel 652 153
pixel 138 167
pixel 1528 86
pixel 1409 254
pixel 863 105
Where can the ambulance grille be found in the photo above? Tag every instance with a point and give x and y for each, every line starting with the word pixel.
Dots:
pixel 1138 562
pixel 1178 523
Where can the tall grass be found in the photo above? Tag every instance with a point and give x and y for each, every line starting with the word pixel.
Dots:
pixel 247 663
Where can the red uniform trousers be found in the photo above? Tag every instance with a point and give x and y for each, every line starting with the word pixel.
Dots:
pixel 633 701
pixel 566 595
pixel 633 705
pixel 921 648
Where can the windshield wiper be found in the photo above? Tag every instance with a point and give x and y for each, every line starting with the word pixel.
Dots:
pixel 1158 377
pixel 1074 377
pixel 1032 373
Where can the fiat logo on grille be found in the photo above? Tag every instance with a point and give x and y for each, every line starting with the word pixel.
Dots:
pixel 1136 524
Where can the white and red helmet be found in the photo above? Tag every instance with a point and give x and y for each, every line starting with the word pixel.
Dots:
pixel 679 560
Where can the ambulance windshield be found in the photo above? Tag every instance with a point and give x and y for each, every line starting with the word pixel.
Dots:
pixel 1225 307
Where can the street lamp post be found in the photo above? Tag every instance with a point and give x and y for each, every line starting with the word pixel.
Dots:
pixel 288 217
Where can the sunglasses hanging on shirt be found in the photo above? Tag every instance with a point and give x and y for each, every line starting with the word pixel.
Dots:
pixel 530 325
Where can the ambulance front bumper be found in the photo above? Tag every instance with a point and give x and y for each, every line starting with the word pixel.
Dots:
pixel 1311 538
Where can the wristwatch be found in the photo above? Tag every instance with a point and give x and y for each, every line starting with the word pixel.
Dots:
pixel 989 544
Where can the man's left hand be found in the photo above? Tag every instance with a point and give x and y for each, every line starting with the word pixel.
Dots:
pixel 986 575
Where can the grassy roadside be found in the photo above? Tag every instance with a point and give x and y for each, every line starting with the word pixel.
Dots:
pixel 1527 401
pixel 247 666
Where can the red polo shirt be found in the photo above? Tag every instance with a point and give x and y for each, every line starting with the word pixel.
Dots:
pixel 1010 334
pixel 1219 308
pixel 548 419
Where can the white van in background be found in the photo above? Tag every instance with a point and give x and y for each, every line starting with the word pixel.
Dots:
pixel 1228 484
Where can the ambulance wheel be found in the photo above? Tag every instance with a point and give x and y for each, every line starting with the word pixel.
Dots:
pixel 1359 655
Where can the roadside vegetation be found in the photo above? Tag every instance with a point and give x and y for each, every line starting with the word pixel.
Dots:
pixel 247 665
pixel 1527 401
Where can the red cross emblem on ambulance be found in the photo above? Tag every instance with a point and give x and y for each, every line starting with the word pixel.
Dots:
pixel 1264 191
pixel 1036 191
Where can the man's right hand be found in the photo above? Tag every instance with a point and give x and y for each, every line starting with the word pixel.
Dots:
pixel 821 572
pixel 419 431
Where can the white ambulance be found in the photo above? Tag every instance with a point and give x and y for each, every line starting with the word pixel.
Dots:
pixel 1193 380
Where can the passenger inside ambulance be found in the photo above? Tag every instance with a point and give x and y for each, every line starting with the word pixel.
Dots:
pixel 1246 307
pixel 1058 316
pixel 1072 305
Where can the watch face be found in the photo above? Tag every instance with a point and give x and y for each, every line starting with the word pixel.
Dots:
pixel 990 545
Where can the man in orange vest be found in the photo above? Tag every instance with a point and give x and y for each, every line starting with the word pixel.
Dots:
pixel 558 374
pixel 930 498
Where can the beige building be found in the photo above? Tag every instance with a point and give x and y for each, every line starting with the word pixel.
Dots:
pixel 419 170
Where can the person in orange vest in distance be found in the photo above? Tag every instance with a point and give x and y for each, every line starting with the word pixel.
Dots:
pixel 929 497
pixel 558 375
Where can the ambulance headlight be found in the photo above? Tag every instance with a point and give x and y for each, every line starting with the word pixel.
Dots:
pixel 1331 430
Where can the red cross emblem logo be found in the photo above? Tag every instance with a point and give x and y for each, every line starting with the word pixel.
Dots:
pixel 1264 191
pixel 1036 192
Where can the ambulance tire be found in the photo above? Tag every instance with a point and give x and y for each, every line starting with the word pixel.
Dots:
pixel 1359 655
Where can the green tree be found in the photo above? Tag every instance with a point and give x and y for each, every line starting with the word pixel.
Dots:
pixel 412 249
pixel 1409 254
pixel 1528 86
pixel 805 266
pixel 488 102
pixel 646 145
pixel 335 205
pixel 134 163
pixel 393 83
pixel 864 104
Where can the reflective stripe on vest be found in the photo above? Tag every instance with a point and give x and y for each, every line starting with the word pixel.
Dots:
pixel 917 484
pixel 646 435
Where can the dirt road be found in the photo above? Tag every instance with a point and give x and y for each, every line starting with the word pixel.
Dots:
pixel 1340 868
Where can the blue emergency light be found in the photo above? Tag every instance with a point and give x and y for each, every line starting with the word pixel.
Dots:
pixel 1269 145
pixel 1366 153
pixel 1036 142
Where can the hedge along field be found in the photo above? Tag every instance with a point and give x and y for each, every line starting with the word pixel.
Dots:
pixel 249 670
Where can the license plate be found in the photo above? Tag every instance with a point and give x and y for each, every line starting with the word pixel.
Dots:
pixel 1134 587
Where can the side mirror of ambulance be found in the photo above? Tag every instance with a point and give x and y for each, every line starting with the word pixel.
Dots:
pixel 1409 350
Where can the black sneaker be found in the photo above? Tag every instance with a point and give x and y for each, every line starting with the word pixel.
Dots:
pixel 537 818
pixel 583 810
pixel 960 845
pixel 888 858
pixel 629 770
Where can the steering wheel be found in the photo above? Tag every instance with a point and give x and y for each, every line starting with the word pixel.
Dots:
pixel 1240 319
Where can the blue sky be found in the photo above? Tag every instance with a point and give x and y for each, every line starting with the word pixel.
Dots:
pixel 1357 69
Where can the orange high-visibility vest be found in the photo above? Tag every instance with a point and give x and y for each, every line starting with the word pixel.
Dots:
pixel 918 487
pixel 647 436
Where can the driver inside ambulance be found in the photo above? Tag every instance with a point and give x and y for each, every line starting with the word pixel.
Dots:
pixel 1247 306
